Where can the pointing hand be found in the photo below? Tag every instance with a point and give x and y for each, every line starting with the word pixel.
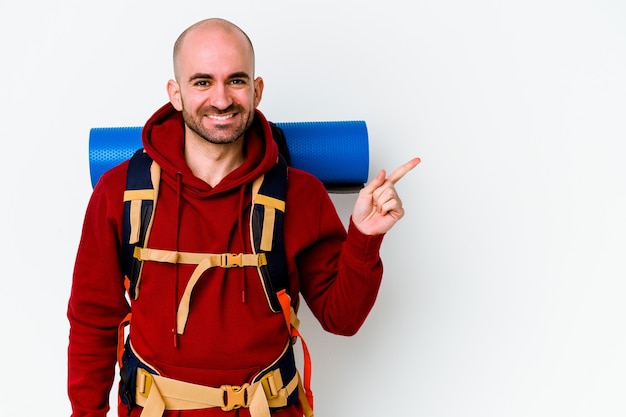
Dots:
pixel 378 206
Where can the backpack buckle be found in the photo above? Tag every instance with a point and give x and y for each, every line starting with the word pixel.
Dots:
pixel 235 396
pixel 232 260
pixel 268 382
pixel 144 382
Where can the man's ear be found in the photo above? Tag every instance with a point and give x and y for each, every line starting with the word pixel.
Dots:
pixel 173 91
pixel 258 90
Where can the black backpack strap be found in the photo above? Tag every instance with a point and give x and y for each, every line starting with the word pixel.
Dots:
pixel 267 219
pixel 139 199
pixel 281 141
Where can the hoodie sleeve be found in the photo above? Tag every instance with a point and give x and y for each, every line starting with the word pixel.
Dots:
pixel 97 302
pixel 339 272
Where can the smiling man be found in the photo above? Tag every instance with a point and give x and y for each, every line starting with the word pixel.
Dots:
pixel 216 92
pixel 210 271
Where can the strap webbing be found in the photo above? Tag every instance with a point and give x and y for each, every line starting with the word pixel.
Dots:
pixel 270 205
pixel 269 201
pixel 267 229
pixel 204 261
pixel 305 393
pixel 156 394
pixel 120 337
pixel 210 261
pixel 224 260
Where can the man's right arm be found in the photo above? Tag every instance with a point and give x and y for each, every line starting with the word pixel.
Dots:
pixel 97 302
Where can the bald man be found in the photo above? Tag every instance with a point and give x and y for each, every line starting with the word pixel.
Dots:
pixel 212 316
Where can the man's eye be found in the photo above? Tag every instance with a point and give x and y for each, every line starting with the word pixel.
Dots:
pixel 202 83
pixel 238 82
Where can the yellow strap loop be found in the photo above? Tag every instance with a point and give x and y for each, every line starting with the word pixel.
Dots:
pixel 269 202
pixel 132 195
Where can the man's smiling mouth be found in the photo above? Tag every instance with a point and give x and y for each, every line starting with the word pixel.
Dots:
pixel 220 116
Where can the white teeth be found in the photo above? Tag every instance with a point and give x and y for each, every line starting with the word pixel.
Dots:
pixel 220 117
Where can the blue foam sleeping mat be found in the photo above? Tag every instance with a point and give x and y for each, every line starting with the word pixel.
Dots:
pixel 336 152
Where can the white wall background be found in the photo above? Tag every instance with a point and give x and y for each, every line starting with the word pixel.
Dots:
pixel 505 282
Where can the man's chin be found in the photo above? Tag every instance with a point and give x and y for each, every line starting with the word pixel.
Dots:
pixel 221 137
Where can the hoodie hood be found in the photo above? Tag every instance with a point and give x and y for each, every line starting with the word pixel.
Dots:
pixel 163 138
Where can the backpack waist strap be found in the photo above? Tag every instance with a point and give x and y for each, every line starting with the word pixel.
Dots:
pixel 156 394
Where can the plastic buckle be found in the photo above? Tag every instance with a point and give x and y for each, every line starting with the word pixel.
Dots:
pixel 232 260
pixel 235 396
pixel 144 382
pixel 269 385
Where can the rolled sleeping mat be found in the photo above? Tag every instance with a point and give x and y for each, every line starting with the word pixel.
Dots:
pixel 336 152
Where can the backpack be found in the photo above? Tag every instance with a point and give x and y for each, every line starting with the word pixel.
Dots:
pixel 140 199
pixel 267 215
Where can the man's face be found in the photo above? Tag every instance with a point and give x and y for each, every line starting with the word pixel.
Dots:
pixel 215 89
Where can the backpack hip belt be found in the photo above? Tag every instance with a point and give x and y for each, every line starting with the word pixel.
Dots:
pixel 268 389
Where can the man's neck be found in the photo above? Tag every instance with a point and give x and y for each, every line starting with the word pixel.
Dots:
pixel 212 162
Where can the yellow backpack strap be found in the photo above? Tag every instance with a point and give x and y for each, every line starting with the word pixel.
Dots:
pixel 209 261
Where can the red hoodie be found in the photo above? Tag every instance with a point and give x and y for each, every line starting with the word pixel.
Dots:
pixel 231 333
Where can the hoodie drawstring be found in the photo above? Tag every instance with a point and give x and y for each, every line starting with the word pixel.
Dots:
pixel 240 221
pixel 179 187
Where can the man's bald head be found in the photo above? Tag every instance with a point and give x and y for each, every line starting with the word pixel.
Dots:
pixel 209 27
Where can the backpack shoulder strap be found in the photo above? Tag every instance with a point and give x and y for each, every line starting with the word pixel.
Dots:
pixel 139 203
pixel 281 141
pixel 267 232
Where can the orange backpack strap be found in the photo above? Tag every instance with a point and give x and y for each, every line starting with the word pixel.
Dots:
pixel 120 337
pixel 306 395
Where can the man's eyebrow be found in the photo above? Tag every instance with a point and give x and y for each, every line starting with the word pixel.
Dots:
pixel 200 76
pixel 203 76
pixel 241 74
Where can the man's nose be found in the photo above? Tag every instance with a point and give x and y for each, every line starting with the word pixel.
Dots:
pixel 221 98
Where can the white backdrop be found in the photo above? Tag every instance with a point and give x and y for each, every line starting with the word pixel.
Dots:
pixel 504 283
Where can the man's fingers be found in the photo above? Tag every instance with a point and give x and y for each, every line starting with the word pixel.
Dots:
pixel 401 171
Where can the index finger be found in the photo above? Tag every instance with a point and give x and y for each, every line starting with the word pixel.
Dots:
pixel 401 171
